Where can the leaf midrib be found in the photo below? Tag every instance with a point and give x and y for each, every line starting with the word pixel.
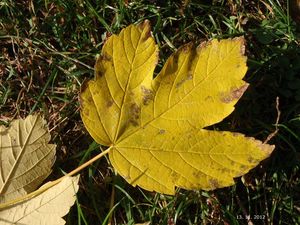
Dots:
pixel 127 85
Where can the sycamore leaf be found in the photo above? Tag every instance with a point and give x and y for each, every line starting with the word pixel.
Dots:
pixel 26 157
pixel 46 208
pixel 154 127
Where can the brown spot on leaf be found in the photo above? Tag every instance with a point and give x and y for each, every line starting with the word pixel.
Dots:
pixel 109 103
pixel 147 95
pixel 87 113
pixel 134 122
pixel 175 59
pixel 203 45
pixel 95 92
pixel 224 170
pixel 252 160
pixel 162 131
pixel 146 36
pixel 208 98
pixel 131 94
pixel 146 91
pixel 186 48
pixel 266 147
pixel 171 66
pixel 243 167
pixel 105 57
pixel 146 29
pixel 99 70
pixel 90 99
pixel 235 134
pixel 214 183
pixel 14 141
pixel 84 86
pixel 234 94
pixel 174 176
pixel 242 40
pixel 180 83
pixel 197 174
pixel 134 112
pixel 189 77
pixel 144 24
pixel 98 73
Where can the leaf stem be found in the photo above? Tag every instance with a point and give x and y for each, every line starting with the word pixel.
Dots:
pixel 52 183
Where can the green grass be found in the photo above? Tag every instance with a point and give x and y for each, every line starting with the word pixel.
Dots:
pixel 48 49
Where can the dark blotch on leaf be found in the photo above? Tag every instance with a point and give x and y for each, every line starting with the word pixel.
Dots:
pixel 224 170
pixel 162 131
pixel 180 83
pixel 87 112
pixel 243 167
pixel 234 94
pixel 84 86
pixel 197 174
pixel 109 103
pixel 99 74
pixel 214 183
pixel 186 48
pixel 174 176
pixel 252 160
pixel 147 95
pixel 105 57
pixel 189 77
pixel 134 111
pixel 147 34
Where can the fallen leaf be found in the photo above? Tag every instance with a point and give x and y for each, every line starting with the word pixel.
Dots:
pixel 46 208
pixel 25 155
pixel 154 127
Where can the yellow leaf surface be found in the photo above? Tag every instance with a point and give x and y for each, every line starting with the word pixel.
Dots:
pixel 46 208
pixel 155 126
pixel 26 157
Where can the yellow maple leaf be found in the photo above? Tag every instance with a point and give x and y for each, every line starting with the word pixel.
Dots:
pixel 154 127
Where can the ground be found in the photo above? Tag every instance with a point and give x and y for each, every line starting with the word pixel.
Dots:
pixel 48 49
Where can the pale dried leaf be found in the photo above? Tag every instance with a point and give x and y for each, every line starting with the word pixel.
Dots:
pixel 47 208
pixel 25 157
